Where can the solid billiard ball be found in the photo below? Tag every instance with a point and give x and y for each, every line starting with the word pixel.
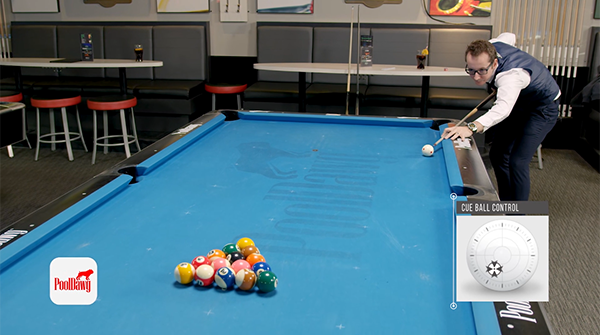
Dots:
pixel 245 279
pixel 218 262
pixel 230 247
pixel 260 267
pixel 244 242
pixel 184 273
pixel 234 256
pixel 427 150
pixel 251 249
pixel 267 281
pixel 200 260
pixel 255 258
pixel 216 253
pixel 205 275
pixel 225 278
pixel 240 264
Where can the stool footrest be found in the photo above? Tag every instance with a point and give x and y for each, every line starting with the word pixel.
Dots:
pixel 114 144
pixel 76 136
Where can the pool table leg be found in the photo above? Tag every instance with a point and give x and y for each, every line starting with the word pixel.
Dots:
pixel 302 92
pixel 424 95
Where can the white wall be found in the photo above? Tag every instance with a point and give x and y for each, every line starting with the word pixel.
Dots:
pixel 239 39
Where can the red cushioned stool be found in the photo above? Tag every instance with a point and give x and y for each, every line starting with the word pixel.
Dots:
pixel 12 96
pixel 114 103
pixel 225 89
pixel 51 102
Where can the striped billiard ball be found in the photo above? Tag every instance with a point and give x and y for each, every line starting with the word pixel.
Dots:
pixel 260 267
pixel 245 279
pixel 205 275
pixel 225 278
pixel 184 273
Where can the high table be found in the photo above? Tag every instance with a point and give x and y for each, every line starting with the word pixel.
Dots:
pixel 357 227
pixel 61 63
pixel 376 69
pixel 13 126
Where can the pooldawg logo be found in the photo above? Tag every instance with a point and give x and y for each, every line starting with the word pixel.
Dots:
pixel 73 281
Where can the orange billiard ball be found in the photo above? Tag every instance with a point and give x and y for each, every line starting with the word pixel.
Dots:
pixel 255 258
pixel 216 253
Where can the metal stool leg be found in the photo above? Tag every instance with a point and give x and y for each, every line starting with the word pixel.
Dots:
pixel 37 126
pixel 52 130
pixel 66 129
pixel 239 101
pixel 214 101
pixel 11 154
pixel 135 136
pixel 105 123
pixel 539 153
pixel 95 143
pixel 80 132
pixel 25 129
pixel 124 131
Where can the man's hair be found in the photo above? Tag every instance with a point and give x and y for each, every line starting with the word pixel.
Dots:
pixel 478 47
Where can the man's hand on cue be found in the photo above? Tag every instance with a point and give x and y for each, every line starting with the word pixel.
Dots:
pixel 462 131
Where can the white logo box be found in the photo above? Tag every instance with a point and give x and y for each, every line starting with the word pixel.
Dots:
pixel 73 281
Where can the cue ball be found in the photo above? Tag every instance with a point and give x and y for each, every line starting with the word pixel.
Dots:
pixel 427 150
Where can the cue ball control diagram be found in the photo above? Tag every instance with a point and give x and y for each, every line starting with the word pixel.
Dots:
pixel 502 255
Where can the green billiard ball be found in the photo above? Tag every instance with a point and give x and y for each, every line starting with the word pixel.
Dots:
pixel 230 247
pixel 267 281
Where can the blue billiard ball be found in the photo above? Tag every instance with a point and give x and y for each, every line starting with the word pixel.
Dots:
pixel 260 267
pixel 225 278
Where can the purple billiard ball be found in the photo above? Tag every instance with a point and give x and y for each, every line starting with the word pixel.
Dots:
pixel 225 278
pixel 260 267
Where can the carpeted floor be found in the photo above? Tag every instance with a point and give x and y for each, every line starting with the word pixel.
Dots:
pixel 567 182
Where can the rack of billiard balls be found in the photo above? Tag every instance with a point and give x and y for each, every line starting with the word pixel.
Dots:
pixel 240 264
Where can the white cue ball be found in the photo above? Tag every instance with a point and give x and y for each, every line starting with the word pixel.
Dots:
pixel 427 150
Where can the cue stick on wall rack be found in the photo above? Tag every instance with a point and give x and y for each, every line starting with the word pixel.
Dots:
pixel 349 62
pixel 356 108
pixel 488 98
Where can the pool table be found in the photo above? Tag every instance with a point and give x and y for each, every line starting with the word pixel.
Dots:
pixel 356 223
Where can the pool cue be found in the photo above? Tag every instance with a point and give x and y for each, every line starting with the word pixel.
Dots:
pixel 489 97
pixel 349 61
pixel 357 60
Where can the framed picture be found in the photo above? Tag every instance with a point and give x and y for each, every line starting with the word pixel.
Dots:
pixel 460 7
pixel 597 10
pixel 34 6
pixel 284 6
pixel 183 6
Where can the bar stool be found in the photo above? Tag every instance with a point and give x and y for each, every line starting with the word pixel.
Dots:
pixel 12 96
pixel 114 103
pixel 58 101
pixel 225 89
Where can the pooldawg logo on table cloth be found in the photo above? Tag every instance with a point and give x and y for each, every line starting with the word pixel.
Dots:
pixel 73 281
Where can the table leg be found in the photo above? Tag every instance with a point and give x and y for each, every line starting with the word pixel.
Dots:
pixel 123 80
pixel 302 91
pixel 18 79
pixel 424 95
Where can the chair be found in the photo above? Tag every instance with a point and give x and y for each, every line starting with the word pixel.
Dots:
pixel 51 102
pixel 114 103
pixel 12 96
pixel 225 89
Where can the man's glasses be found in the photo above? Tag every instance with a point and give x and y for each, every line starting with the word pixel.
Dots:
pixel 481 72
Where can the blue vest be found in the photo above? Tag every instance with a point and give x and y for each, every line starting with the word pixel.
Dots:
pixel 542 90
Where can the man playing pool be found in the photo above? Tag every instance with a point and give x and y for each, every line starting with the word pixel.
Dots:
pixel 525 110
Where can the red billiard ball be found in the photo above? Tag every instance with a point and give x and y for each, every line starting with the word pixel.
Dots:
pixel 245 279
pixel 205 275
pixel 200 260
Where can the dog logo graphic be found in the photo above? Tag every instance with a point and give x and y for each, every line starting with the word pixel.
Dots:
pixel 85 274
pixel 261 158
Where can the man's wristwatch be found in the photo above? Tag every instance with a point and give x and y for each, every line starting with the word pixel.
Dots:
pixel 472 127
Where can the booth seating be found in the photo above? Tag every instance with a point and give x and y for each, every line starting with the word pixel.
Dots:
pixel 225 89
pixel 380 95
pixel 12 96
pixel 51 102
pixel 168 96
pixel 114 103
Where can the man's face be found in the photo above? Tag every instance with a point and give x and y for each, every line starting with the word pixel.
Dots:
pixel 477 66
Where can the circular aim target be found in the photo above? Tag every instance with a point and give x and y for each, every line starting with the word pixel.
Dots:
pixel 502 255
